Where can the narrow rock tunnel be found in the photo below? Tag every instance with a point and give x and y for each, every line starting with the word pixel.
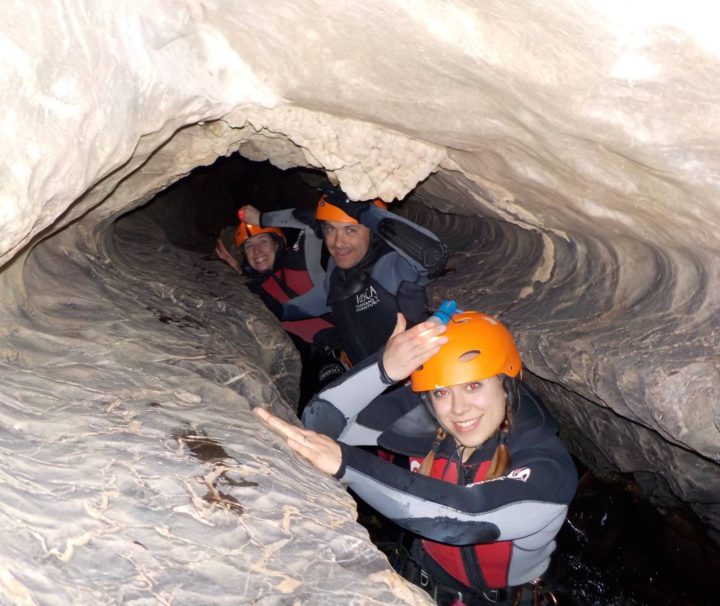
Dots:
pixel 579 204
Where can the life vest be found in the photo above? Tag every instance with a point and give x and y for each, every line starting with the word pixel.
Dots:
pixel 285 284
pixel 477 566
pixel 365 320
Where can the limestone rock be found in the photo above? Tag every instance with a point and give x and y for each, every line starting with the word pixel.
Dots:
pixel 584 137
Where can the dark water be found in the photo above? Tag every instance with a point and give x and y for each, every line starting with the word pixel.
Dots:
pixel 615 549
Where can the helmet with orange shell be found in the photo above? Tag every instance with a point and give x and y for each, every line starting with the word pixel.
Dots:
pixel 334 205
pixel 478 347
pixel 245 231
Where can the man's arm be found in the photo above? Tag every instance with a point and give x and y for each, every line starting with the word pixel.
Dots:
pixel 312 245
pixel 311 304
pixel 425 252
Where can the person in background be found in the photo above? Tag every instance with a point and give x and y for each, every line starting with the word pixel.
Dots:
pixel 277 274
pixel 380 264
pixel 489 481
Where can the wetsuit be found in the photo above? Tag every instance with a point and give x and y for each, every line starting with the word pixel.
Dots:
pixel 288 279
pixel 364 300
pixel 295 271
pixel 475 534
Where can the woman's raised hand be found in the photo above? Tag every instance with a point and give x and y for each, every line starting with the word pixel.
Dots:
pixel 323 452
pixel 225 255
pixel 250 214
pixel 406 350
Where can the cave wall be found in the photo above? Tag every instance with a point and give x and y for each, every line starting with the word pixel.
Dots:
pixel 585 132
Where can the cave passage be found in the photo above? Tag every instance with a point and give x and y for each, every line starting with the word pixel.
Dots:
pixel 610 549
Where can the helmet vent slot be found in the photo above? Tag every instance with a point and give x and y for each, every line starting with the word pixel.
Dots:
pixel 468 356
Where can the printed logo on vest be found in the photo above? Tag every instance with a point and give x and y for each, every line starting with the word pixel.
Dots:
pixel 366 299
pixel 522 474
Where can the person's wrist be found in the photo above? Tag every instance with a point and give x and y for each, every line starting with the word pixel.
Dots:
pixel 341 469
pixel 384 376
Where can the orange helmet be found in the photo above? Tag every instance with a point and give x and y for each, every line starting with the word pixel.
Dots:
pixel 328 209
pixel 246 231
pixel 478 347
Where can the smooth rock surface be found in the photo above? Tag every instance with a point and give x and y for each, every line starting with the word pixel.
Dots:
pixel 134 471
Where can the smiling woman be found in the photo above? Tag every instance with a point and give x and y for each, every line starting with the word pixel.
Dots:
pixel 472 411
pixel 278 273
pixel 479 371
pixel 260 252
pixel 489 481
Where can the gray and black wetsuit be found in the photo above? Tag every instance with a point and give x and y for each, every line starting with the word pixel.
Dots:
pixel 364 300
pixel 475 534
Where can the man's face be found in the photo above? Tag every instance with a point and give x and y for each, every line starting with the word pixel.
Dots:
pixel 347 243
pixel 260 251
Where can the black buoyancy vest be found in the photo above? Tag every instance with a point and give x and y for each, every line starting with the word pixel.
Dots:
pixel 364 312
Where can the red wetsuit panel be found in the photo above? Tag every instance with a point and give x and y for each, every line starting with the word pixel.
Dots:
pixel 298 280
pixel 286 284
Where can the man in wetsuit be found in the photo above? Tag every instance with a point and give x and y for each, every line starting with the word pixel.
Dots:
pixel 380 265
